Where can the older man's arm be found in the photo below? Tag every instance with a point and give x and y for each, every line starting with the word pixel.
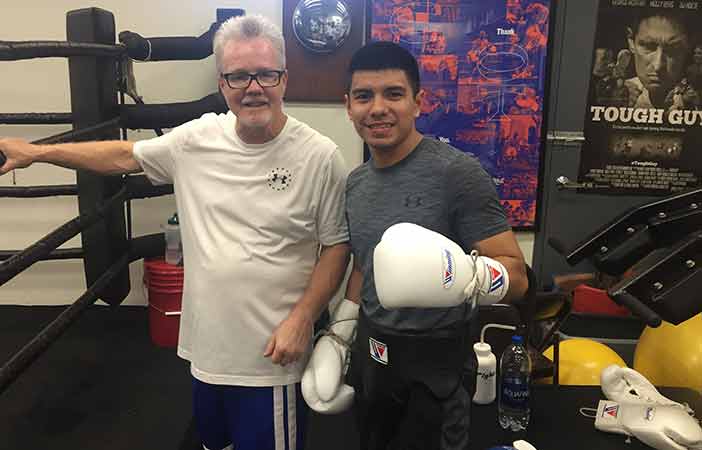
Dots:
pixel 292 336
pixel 105 157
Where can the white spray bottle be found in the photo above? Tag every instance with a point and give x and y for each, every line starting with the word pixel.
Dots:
pixel 486 382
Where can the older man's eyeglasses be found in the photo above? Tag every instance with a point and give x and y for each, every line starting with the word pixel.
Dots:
pixel 242 80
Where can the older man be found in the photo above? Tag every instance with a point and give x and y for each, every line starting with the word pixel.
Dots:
pixel 260 196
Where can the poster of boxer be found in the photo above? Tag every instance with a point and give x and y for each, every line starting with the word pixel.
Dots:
pixel 483 67
pixel 643 121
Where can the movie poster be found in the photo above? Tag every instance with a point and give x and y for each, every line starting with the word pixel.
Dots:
pixel 483 67
pixel 644 112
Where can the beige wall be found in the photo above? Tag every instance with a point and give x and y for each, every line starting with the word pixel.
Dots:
pixel 42 86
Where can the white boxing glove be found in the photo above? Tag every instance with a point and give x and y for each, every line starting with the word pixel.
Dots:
pixel 625 385
pixel 415 267
pixel 661 427
pixel 323 386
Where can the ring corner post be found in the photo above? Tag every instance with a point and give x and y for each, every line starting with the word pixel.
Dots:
pixel 93 86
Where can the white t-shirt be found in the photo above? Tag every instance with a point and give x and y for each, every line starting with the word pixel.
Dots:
pixel 252 218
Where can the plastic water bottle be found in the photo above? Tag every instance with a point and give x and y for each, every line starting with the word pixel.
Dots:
pixel 174 247
pixel 515 376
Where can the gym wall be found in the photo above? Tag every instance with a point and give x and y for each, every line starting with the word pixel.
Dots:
pixel 41 85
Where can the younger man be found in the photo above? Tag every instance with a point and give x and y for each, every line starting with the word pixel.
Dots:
pixel 411 178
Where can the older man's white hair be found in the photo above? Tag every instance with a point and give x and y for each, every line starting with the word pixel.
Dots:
pixel 244 28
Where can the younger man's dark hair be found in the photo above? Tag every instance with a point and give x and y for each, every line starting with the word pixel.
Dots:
pixel 383 55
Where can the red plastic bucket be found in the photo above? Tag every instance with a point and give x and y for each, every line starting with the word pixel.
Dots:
pixel 164 283
pixel 163 327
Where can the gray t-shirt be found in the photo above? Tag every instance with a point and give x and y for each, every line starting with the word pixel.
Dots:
pixel 435 186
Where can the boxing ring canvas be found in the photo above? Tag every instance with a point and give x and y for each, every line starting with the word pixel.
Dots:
pixel 483 66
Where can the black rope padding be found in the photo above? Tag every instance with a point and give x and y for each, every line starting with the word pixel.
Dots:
pixel 148 246
pixel 140 101
pixel 58 254
pixel 17 50
pixel 44 246
pixel 38 191
pixel 81 134
pixel 138 186
pixel 174 48
pixel 30 352
pixel 170 115
pixel 35 118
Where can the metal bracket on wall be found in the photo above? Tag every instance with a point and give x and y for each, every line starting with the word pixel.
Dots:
pixel 565 137
pixel 563 182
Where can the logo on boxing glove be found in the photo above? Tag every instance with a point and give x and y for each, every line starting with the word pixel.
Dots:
pixel 449 269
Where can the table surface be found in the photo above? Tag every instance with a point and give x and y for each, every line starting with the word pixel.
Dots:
pixel 556 422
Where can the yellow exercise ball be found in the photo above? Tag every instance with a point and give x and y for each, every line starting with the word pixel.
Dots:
pixel 581 361
pixel 671 355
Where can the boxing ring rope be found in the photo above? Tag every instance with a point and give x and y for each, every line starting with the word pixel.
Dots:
pixel 137 116
pixel 35 118
pixel 142 116
pixel 168 48
pixel 38 191
pixel 169 115
pixel 54 190
pixel 18 50
pixel 44 246
pixel 136 187
pixel 58 254
pixel 141 247
pixel 72 135
pixel 150 112
pixel 139 187
pixel 30 352
pixel 80 134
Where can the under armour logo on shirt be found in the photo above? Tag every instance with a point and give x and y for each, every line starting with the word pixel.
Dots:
pixel 413 201
pixel 279 179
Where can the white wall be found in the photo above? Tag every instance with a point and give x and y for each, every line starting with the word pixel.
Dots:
pixel 42 86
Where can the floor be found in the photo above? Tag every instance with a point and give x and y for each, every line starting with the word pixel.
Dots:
pixel 104 385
